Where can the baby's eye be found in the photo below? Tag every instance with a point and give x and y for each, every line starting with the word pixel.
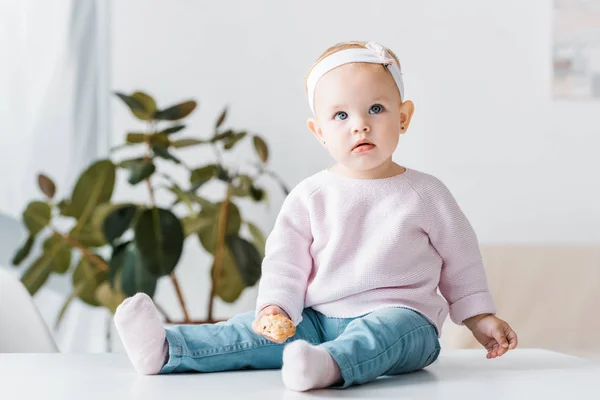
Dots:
pixel 341 115
pixel 376 109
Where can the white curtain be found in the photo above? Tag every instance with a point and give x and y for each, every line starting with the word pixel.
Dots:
pixel 54 117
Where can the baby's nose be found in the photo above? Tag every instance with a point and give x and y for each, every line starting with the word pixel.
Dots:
pixel 361 128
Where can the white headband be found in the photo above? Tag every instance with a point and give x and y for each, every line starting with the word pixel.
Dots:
pixel 373 53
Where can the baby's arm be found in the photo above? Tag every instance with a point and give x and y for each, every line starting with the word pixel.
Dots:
pixel 463 281
pixel 287 263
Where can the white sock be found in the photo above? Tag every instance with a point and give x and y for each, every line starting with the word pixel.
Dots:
pixel 308 367
pixel 142 334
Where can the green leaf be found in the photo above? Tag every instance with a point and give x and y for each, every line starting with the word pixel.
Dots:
pixel 38 272
pixel 130 163
pixel 187 142
pixel 262 150
pixel 62 205
pixel 139 171
pixel 135 138
pixel 207 206
pixel 94 186
pixel 209 235
pixel 89 232
pixel 247 259
pixel 117 260
pixel 221 118
pixel 119 147
pixel 172 129
pixel 90 276
pixel 176 112
pixel 258 238
pixel 136 106
pixel 109 297
pixel 257 194
pixel 181 196
pixel 147 102
pixel 241 186
pixel 46 185
pixel 24 251
pixel 164 153
pixel 190 198
pixel 223 174
pixel 37 216
pixel 200 176
pixel 88 235
pixel 134 276
pixel 196 223
pixel 159 238
pixel 61 261
pixel 230 142
pixel 230 284
pixel 117 221
pixel 222 136
pixel 160 140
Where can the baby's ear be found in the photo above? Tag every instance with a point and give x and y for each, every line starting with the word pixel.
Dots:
pixel 315 128
pixel 407 109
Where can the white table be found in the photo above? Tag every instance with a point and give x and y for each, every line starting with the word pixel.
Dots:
pixel 460 374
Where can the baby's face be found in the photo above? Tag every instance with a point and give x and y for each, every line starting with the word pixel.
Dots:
pixel 357 103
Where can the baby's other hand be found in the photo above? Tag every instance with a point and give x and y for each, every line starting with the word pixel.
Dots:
pixel 493 333
pixel 258 329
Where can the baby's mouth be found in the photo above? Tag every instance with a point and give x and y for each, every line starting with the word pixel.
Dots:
pixel 362 146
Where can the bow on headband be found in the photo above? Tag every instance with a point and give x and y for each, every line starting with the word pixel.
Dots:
pixel 383 54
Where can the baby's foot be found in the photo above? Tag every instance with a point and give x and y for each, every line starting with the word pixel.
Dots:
pixel 308 367
pixel 142 334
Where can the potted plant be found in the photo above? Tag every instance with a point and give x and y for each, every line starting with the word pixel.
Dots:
pixel 114 250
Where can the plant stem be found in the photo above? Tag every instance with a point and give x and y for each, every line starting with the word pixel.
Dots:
pixel 97 261
pixel 151 193
pixel 153 204
pixel 164 314
pixel 279 180
pixel 218 154
pixel 148 184
pixel 222 231
pixel 180 296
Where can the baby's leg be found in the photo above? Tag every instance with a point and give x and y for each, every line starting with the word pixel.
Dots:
pixel 224 346
pixel 390 341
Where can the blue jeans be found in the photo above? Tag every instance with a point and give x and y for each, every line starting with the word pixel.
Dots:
pixel 389 341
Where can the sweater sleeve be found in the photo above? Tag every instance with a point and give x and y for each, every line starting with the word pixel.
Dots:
pixel 463 281
pixel 287 262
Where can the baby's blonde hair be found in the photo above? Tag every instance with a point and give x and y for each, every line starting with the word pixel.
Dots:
pixel 339 47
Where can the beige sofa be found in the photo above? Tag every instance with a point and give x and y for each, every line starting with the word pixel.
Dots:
pixel 549 294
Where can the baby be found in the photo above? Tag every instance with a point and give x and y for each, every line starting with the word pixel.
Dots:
pixel 353 265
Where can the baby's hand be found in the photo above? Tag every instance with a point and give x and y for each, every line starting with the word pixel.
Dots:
pixel 493 333
pixel 274 324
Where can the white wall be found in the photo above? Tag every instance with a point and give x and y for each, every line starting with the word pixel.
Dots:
pixel 522 165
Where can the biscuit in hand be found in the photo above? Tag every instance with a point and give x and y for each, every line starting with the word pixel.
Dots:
pixel 277 326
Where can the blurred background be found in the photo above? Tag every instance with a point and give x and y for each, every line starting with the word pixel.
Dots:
pixel 507 98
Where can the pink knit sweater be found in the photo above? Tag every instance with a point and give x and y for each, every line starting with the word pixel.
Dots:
pixel 347 247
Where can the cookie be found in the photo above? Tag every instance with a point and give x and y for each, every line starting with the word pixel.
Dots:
pixel 277 327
